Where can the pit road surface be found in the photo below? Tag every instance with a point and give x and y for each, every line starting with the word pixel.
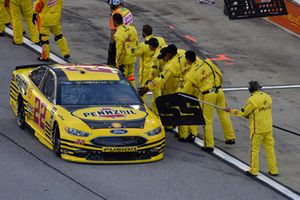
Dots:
pixel 259 51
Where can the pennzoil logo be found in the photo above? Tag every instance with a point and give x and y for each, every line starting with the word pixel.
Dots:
pixel 109 113
pixel 119 149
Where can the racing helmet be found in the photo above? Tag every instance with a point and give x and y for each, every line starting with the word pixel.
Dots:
pixel 114 2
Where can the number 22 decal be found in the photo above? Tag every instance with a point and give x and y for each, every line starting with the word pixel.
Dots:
pixel 39 113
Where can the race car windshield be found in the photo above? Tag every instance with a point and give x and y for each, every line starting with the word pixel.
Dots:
pixel 98 93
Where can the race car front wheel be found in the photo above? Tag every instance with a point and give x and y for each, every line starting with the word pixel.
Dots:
pixel 56 141
pixel 21 115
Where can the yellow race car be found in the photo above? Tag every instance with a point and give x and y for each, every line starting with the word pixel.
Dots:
pixel 86 113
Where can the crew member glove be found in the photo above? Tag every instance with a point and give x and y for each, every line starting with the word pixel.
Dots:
pixel 6 3
pixel 122 68
pixel 147 82
pixel 34 18
pixel 226 109
pixel 142 91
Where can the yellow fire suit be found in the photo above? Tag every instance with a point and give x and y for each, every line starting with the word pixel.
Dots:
pixel 157 67
pixel 170 79
pixel 4 16
pixel 19 8
pixel 49 12
pixel 207 79
pixel 185 131
pixel 126 38
pixel 258 109
pixel 146 56
pixel 172 75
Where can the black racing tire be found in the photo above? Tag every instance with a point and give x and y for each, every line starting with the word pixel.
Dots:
pixel 21 114
pixel 56 142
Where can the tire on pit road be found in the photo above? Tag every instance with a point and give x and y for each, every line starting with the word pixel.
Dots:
pixel 21 113
pixel 56 141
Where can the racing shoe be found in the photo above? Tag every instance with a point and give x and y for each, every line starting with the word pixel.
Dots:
pixel 191 138
pixel 16 43
pixel 207 149
pixel 276 174
pixel 230 142
pixel 39 43
pixel 67 57
pixel 247 173
pixel 42 59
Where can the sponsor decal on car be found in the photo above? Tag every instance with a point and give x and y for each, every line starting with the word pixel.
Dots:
pixel 119 131
pixel 109 113
pixel 119 149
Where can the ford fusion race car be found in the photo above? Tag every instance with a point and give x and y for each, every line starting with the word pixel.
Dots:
pixel 86 113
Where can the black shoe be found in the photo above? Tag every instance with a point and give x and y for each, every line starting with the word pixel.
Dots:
pixel 191 138
pixel 273 174
pixel 67 56
pixel 7 24
pixel 247 173
pixel 39 43
pixel 43 60
pixel 207 149
pixel 16 43
pixel 2 34
pixel 231 142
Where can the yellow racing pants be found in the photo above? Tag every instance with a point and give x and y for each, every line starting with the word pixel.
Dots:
pixel 208 112
pixel 155 94
pixel 4 17
pixel 268 142
pixel 17 11
pixel 58 37
pixel 129 73
pixel 224 117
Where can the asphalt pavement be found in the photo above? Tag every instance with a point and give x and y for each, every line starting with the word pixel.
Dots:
pixel 256 50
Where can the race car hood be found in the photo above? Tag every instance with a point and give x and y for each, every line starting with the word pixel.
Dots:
pixel 111 117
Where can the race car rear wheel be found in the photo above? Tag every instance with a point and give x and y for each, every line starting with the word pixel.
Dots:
pixel 56 141
pixel 21 114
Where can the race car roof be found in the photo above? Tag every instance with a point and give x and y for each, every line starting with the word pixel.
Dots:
pixel 85 72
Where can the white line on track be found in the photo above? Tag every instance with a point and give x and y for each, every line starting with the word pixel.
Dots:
pixel 218 152
pixel 279 187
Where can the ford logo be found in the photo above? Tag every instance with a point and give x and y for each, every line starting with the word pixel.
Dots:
pixel 119 131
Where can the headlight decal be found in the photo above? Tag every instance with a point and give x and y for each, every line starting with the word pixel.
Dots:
pixel 155 131
pixel 76 132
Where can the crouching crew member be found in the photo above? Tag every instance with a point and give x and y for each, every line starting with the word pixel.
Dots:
pixel 258 109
